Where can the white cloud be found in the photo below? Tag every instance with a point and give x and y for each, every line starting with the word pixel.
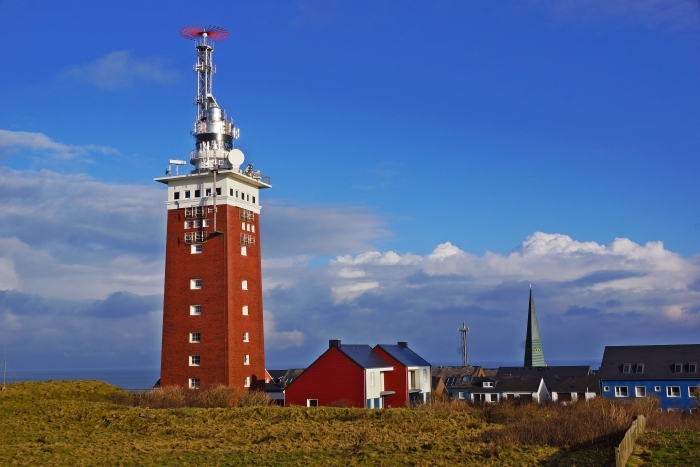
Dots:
pixel 348 292
pixel 119 69
pixel 280 340
pixel 13 141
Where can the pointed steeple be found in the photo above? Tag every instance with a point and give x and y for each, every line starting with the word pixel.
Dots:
pixel 533 346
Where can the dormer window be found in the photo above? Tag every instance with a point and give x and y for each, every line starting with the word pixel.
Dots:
pixel 488 384
pixel 692 367
pixel 678 368
pixel 627 368
pixel 640 368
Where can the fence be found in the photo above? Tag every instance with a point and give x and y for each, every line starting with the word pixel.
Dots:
pixel 624 450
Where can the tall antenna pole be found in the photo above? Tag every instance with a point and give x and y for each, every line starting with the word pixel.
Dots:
pixel 464 331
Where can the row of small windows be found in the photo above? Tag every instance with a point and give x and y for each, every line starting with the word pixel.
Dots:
pixel 194 382
pixel 187 194
pixel 197 248
pixel 197 310
pixel 196 224
pixel 196 284
pixel 195 360
pixel 641 391
pixel 678 367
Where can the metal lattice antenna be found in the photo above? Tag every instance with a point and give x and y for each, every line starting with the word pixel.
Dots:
pixel 204 37
pixel 464 331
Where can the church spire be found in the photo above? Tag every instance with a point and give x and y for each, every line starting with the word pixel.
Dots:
pixel 533 346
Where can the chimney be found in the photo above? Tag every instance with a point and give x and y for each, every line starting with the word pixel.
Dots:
pixel 403 344
pixel 334 343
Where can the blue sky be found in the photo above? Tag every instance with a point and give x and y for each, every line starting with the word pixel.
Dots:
pixel 429 160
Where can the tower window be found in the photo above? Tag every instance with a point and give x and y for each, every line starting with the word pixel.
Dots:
pixel 195 309
pixel 244 251
pixel 187 194
pixel 194 337
pixel 253 199
pixel 197 193
pixel 195 249
pixel 246 381
pixel 196 284
pixel 218 192
pixel 194 383
pixel 208 192
pixel 231 192
pixel 194 360
pixel 247 197
pixel 176 195
pixel 247 227
pixel 246 338
pixel 244 285
pixel 205 223
pixel 246 359
pixel 252 228
pixel 245 310
pixel 197 224
pixel 236 193
pixel 188 224
pixel 242 225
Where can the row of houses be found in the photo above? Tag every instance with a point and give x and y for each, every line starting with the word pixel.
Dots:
pixel 394 376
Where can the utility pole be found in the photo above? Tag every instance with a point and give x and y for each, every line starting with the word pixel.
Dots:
pixel 464 331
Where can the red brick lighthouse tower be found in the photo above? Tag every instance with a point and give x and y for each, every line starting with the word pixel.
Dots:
pixel 212 309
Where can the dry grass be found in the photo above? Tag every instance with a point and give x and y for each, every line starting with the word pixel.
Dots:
pixel 172 397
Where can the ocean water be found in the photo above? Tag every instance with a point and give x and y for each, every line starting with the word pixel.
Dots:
pixel 125 378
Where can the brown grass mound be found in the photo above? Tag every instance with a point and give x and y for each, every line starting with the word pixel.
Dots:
pixel 170 397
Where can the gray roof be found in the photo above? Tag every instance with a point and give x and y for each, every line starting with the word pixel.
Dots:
pixel 551 374
pixel 403 355
pixel 577 384
pixel 362 355
pixel 282 378
pixel 454 376
pixel 658 360
pixel 511 384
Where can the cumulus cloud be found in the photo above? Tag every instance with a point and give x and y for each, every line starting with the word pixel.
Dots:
pixel 14 141
pixel 280 340
pixel 120 69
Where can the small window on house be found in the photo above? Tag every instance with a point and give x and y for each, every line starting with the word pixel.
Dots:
pixel 242 225
pixel 188 224
pixel 488 384
pixel 312 402
pixel 244 310
pixel 194 383
pixel 694 391
pixel 673 391
pixel 248 227
pixel 197 193
pixel 621 391
pixel 640 368
pixel 195 309
pixel 606 388
pixel 678 368
pixel 176 195
pixel 494 397
pixel 640 391
pixel 246 338
pixel 196 224
pixel 692 367
pixel 244 251
pixel 253 199
pixel 195 249
pixel 252 228
pixel 246 382
pixel 244 285
pixel 208 192
pixel 194 337
pixel 657 388
pixel 218 191
pixel 187 194
pixel 465 379
pixel 196 284
pixel 246 359
pixel 626 368
pixel 371 378
pixel 425 374
pixel 205 223
pixel 194 360
pixel 461 394
pixel 231 192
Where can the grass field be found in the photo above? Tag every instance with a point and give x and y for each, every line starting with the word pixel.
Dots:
pixel 91 423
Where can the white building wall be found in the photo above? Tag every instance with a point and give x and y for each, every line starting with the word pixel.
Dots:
pixel 373 391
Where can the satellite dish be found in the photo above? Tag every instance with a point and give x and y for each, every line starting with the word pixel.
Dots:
pixel 235 157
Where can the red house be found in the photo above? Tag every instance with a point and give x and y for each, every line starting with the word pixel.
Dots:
pixel 359 376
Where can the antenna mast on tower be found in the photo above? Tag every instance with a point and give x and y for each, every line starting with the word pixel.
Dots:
pixel 464 331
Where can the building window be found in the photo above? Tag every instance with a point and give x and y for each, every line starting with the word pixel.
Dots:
pixel 187 194
pixel 246 338
pixel 312 402
pixel 208 192
pixel 253 199
pixel 488 384
pixel 197 224
pixel 176 195
pixel 244 251
pixel 657 388
pixel 242 225
pixel 425 374
pixel 205 223
pixel 246 359
pixel 694 391
pixel 640 368
pixel 371 378
pixel 188 224
pixel 626 368
pixel 194 360
pixel 244 285
pixel 606 388
pixel 494 397
pixel 247 197
pixel 195 249
pixel 196 284
pixel 621 391
pixel 692 367
pixel 252 227
pixel 194 337
pixel 640 391
pixel 195 309
pixel 245 310
pixel 246 382
pixel 673 391
pixel 231 192
pixel 247 227
pixel 678 368
pixel 460 395
pixel 218 191
pixel 194 383
pixel 236 193
pixel 197 193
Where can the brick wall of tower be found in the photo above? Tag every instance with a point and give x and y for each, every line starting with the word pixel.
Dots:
pixel 221 324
